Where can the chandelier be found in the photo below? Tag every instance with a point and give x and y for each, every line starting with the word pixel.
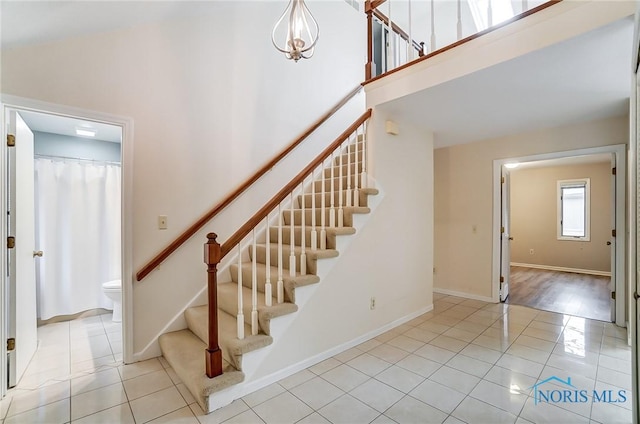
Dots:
pixel 299 36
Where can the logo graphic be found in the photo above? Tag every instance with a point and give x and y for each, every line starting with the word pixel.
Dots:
pixel 571 394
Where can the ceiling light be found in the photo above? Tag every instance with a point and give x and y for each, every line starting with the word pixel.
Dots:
pixel 86 132
pixel 511 165
pixel 300 33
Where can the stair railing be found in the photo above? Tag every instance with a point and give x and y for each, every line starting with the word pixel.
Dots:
pixel 353 141
pixel 444 28
pixel 231 197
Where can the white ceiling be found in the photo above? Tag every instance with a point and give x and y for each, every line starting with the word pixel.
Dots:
pixel 67 126
pixel 584 78
pixel 31 22
pixel 581 79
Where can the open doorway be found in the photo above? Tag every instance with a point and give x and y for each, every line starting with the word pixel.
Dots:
pixel 560 235
pixel 590 258
pixel 63 177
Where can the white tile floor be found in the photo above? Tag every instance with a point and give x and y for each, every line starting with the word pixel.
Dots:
pixel 465 362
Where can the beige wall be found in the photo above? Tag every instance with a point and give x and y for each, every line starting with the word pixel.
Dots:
pixel 464 196
pixel 534 218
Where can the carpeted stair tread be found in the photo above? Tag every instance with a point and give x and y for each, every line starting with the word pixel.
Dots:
pixel 336 182
pixel 345 168
pixel 232 347
pixel 363 198
pixel 312 256
pixel 228 302
pixel 289 283
pixel 331 233
pixel 345 158
pixel 348 215
pixel 185 353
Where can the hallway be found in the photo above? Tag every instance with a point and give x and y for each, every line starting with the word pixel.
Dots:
pixel 467 361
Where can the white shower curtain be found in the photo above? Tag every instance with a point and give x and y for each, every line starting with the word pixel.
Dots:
pixel 78 229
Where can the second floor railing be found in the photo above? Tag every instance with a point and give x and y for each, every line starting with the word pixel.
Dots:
pixel 401 32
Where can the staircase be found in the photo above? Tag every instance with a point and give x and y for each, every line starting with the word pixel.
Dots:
pixel 269 256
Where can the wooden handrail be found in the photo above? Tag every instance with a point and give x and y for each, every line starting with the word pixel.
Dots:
pixel 287 189
pixel 522 15
pixel 189 232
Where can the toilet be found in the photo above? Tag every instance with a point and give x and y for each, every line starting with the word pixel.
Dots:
pixel 113 290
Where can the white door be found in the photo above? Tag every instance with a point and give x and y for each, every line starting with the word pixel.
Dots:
pixel 505 235
pixel 21 290
pixel 612 241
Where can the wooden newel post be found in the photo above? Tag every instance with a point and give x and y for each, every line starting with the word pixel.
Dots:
pixel 368 71
pixel 213 354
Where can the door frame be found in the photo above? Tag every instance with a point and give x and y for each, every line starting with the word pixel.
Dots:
pixel 620 153
pixel 8 102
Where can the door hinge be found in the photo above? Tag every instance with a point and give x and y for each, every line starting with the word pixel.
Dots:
pixel 501 279
pixel 613 295
pixel 11 344
pixel 502 180
pixel 11 242
pixel 501 230
pixel 613 171
pixel 11 140
pixel 613 233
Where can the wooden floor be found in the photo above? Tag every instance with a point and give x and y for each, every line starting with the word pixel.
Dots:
pixel 582 295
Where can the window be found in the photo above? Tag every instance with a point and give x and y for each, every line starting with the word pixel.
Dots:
pixel 573 210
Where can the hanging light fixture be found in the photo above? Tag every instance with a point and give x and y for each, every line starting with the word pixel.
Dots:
pixel 300 37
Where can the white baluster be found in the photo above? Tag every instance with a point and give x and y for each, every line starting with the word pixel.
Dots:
pixel 268 296
pixel 489 14
pixel 410 48
pixel 356 180
pixel 254 288
pixel 280 284
pixel 340 192
pixel 459 20
pixel 525 6
pixel 349 194
pixel 332 209
pixel 433 27
pixel 364 182
pixel 392 51
pixel 303 236
pixel 314 233
pixel 384 52
pixel 323 231
pixel 240 316
pixel 292 242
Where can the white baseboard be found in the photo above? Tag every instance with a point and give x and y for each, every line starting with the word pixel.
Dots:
pixel 563 269
pixel 462 294
pixel 252 386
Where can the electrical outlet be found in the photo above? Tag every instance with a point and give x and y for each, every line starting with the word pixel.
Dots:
pixel 372 306
pixel 531 251
pixel 162 222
